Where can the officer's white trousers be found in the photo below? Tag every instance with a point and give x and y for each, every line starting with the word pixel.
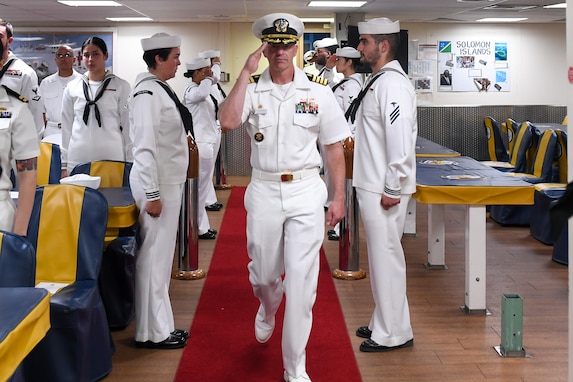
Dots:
pixel 390 321
pixel 285 230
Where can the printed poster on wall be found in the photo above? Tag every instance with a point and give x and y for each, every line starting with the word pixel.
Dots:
pixel 473 66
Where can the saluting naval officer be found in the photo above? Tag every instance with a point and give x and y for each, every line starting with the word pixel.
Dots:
pixel 19 143
pixel 385 179
pixel 285 113
pixel 159 172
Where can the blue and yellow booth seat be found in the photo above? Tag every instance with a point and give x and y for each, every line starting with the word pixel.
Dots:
pixel 510 128
pixel 541 173
pixel 67 229
pixel 518 160
pixel 24 310
pixel 495 145
pixel 544 196
pixel 49 164
pixel 117 276
pixel 112 173
pixel 560 161
pixel 17 261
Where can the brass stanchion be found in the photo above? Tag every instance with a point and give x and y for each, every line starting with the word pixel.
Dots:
pixel 188 235
pixel 221 165
pixel 348 254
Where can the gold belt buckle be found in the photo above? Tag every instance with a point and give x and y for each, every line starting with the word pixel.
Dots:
pixel 286 177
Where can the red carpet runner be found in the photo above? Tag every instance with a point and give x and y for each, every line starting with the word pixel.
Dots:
pixel 222 346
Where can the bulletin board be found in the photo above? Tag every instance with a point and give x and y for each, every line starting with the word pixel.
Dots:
pixel 473 66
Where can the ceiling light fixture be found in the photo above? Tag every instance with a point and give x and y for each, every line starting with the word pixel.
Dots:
pixel 501 19
pixel 337 4
pixel 317 19
pixel 119 19
pixel 556 6
pixel 90 3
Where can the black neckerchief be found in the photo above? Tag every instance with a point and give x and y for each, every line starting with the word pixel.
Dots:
pixel 221 90
pixel 340 83
pixel 353 108
pixel 216 105
pixel 186 116
pixel 5 67
pixel 93 103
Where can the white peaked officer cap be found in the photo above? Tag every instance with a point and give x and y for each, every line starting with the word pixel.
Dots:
pixel 210 54
pixel 381 25
pixel 348 52
pixel 278 28
pixel 160 41
pixel 325 42
pixel 198 63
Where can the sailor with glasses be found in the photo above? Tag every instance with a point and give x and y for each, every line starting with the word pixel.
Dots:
pixel 52 89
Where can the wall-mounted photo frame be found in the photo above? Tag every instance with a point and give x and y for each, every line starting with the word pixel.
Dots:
pixel 37 47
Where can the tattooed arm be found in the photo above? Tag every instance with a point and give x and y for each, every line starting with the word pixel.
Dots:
pixel 27 177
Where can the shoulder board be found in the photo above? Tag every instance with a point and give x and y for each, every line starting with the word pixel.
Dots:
pixel 143 92
pixel 15 94
pixel 315 78
pixel 254 79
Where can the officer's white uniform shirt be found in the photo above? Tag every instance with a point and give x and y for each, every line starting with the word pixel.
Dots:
pixel 311 69
pixel 18 141
pixel 52 90
pixel 288 134
pixel 331 75
pixel 384 158
pixel 21 78
pixel 160 146
pixel 87 143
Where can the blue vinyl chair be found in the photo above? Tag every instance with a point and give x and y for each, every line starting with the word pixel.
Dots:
pixel 519 159
pixel 17 261
pixel 495 145
pixel 510 128
pixel 17 269
pixel 112 173
pixel 117 276
pixel 67 230
pixel 541 172
pixel 49 164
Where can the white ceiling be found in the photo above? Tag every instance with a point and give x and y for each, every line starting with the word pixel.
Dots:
pixel 50 12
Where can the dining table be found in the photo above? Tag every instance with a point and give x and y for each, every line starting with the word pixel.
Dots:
pixel 424 148
pixel 465 181
pixel 24 322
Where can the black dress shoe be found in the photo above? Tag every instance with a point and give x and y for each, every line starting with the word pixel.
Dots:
pixel 363 332
pixel 209 235
pixel 172 342
pixel 181 333
pixel 332 235
pixel 214 207
pixel 213 230
pixel 370 346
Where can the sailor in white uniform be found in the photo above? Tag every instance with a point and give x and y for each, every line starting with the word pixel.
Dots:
pixel 198 100
pixel 95 118
pixel 52 89
pixel 385 178
pixel 20 77
pixel 161 156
